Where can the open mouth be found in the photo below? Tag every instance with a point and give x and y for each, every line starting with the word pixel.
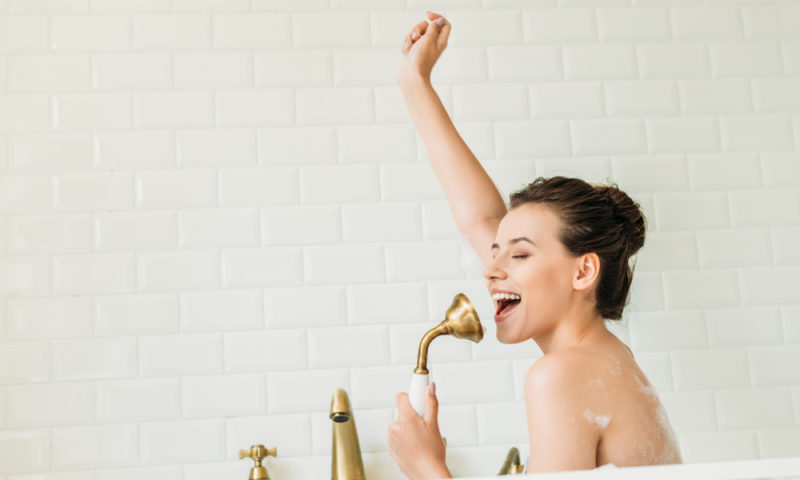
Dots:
pixel 505 302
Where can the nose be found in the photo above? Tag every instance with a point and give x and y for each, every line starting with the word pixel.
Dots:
pixel 493 270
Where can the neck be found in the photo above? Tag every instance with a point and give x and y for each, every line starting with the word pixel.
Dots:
pixel 578 326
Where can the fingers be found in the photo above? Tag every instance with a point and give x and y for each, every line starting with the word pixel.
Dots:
pixel 404 408
pixel 416 32
pixel 431 411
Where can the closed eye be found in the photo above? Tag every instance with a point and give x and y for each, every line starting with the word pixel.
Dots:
pixel 520 256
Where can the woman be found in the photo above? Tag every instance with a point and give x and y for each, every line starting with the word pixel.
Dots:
pixel 556 265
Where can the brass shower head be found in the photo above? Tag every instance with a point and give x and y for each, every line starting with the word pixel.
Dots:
pixel 461 321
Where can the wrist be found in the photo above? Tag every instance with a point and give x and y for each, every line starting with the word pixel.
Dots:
pixel 413 81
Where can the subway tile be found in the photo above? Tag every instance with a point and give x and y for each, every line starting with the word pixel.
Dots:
pixel 734 247
pixel 733 327
pixel 31 406
pixel 387 303
pixel 544 63
pixel 49 153
pixel 24 276
pixel 359 263
pixel 228 227
pixel 210 311
pixel 387 28
pixel 195 269
pixel 668 251
pixel 211 148
pixel 176 189
pixel 719 446
pixel 634 173
pixel 768 365
pixel 46 234
pixel 521 139
pixel 641 97
pixel 24 362
pixel 184 354
pixel 373 426
pixel 512 175
pixel 438 222
pixel 24 112
pixel 257 31
pixel 92 111
pixel 350 346
pixel 408 182
pixel 135 150
pixel 259 186
pixel 373 66
pixel 673 60
pixel 754 408
pixel 608 136
pixel 463 65
pixel 175 31
pixel 405 338
pixel 781 169
pixel 459 424
pixel 126 231
pixel 330 29
pixel 301 225
pixel 491 102
pixel 413 261
pixel 481 28
pixel 768 22
pixel 137 400
pixel 248 107
pixel 223 395
pixel 728 171
pixel 455 382
pixel 715 23
pixel 783 242
pixel 765 207
pixel 779 442
pixel 293 68
pixel 290 308
pixel 334 106
pixel 170 472
pixel 765 285
pixel 298 145
pixel 600 62
pixel 499 423
pixel 24 33
pixel 683 134
pixel 567 99
pixel 48 73
pixel 647 292
pixel 559 25
pixel 290 433
pixel 710 369
pixel 141 313
pixel 303 391
pixel 690 411
pixel 699 289
pixel 671 331
pixel 373 386
pixel 708 210
pixel 94 358
pixel 762 132
pixel 184 441
pixel 590 169
pixel 775 95
pixel 791 323
pixel 339 184
pixel 132 71
pixel 791 56
pixel 260 267
pixel 25 451
pixel 93 191
pixel 377 143
pixel 46 318
pixel 639 25
pixel 213 69
pixel 260 351
pixel 81 33
pixel 94 273
pixel 390 106
pixel 658 369
pixel 179 109
pixel 745 59
pixel 715 96
pixel 390 222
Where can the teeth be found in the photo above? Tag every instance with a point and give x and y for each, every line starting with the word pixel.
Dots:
pixel 505 296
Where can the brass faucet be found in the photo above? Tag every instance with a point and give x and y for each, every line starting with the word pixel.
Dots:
pixel 258 453
pixel 346 463
pixel 512 464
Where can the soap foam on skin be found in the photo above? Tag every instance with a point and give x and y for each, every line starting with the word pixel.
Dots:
pixel 601 421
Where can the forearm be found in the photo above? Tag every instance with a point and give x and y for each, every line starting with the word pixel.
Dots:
pixel 473 197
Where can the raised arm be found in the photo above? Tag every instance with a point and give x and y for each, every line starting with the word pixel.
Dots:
pixel 474 200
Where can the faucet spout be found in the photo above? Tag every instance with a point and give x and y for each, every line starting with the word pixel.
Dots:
pixel 346 462
pixel 512 463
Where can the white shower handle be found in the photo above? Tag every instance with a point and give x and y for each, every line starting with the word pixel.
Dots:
pixel 417 392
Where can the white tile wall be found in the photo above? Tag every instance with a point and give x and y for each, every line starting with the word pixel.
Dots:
pixel 214 213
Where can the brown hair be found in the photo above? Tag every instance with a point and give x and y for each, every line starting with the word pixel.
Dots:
pixel 601 219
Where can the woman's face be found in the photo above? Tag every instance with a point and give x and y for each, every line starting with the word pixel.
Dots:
pixel 531 263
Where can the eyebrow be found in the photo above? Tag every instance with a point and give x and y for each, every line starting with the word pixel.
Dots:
pixel 515 240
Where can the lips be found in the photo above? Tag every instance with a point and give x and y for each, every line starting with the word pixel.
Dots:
pixel 505 308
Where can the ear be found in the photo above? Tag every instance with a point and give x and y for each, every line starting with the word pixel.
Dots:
pixel 587 271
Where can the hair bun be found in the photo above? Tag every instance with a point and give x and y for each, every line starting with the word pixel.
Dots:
pixel 629 214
